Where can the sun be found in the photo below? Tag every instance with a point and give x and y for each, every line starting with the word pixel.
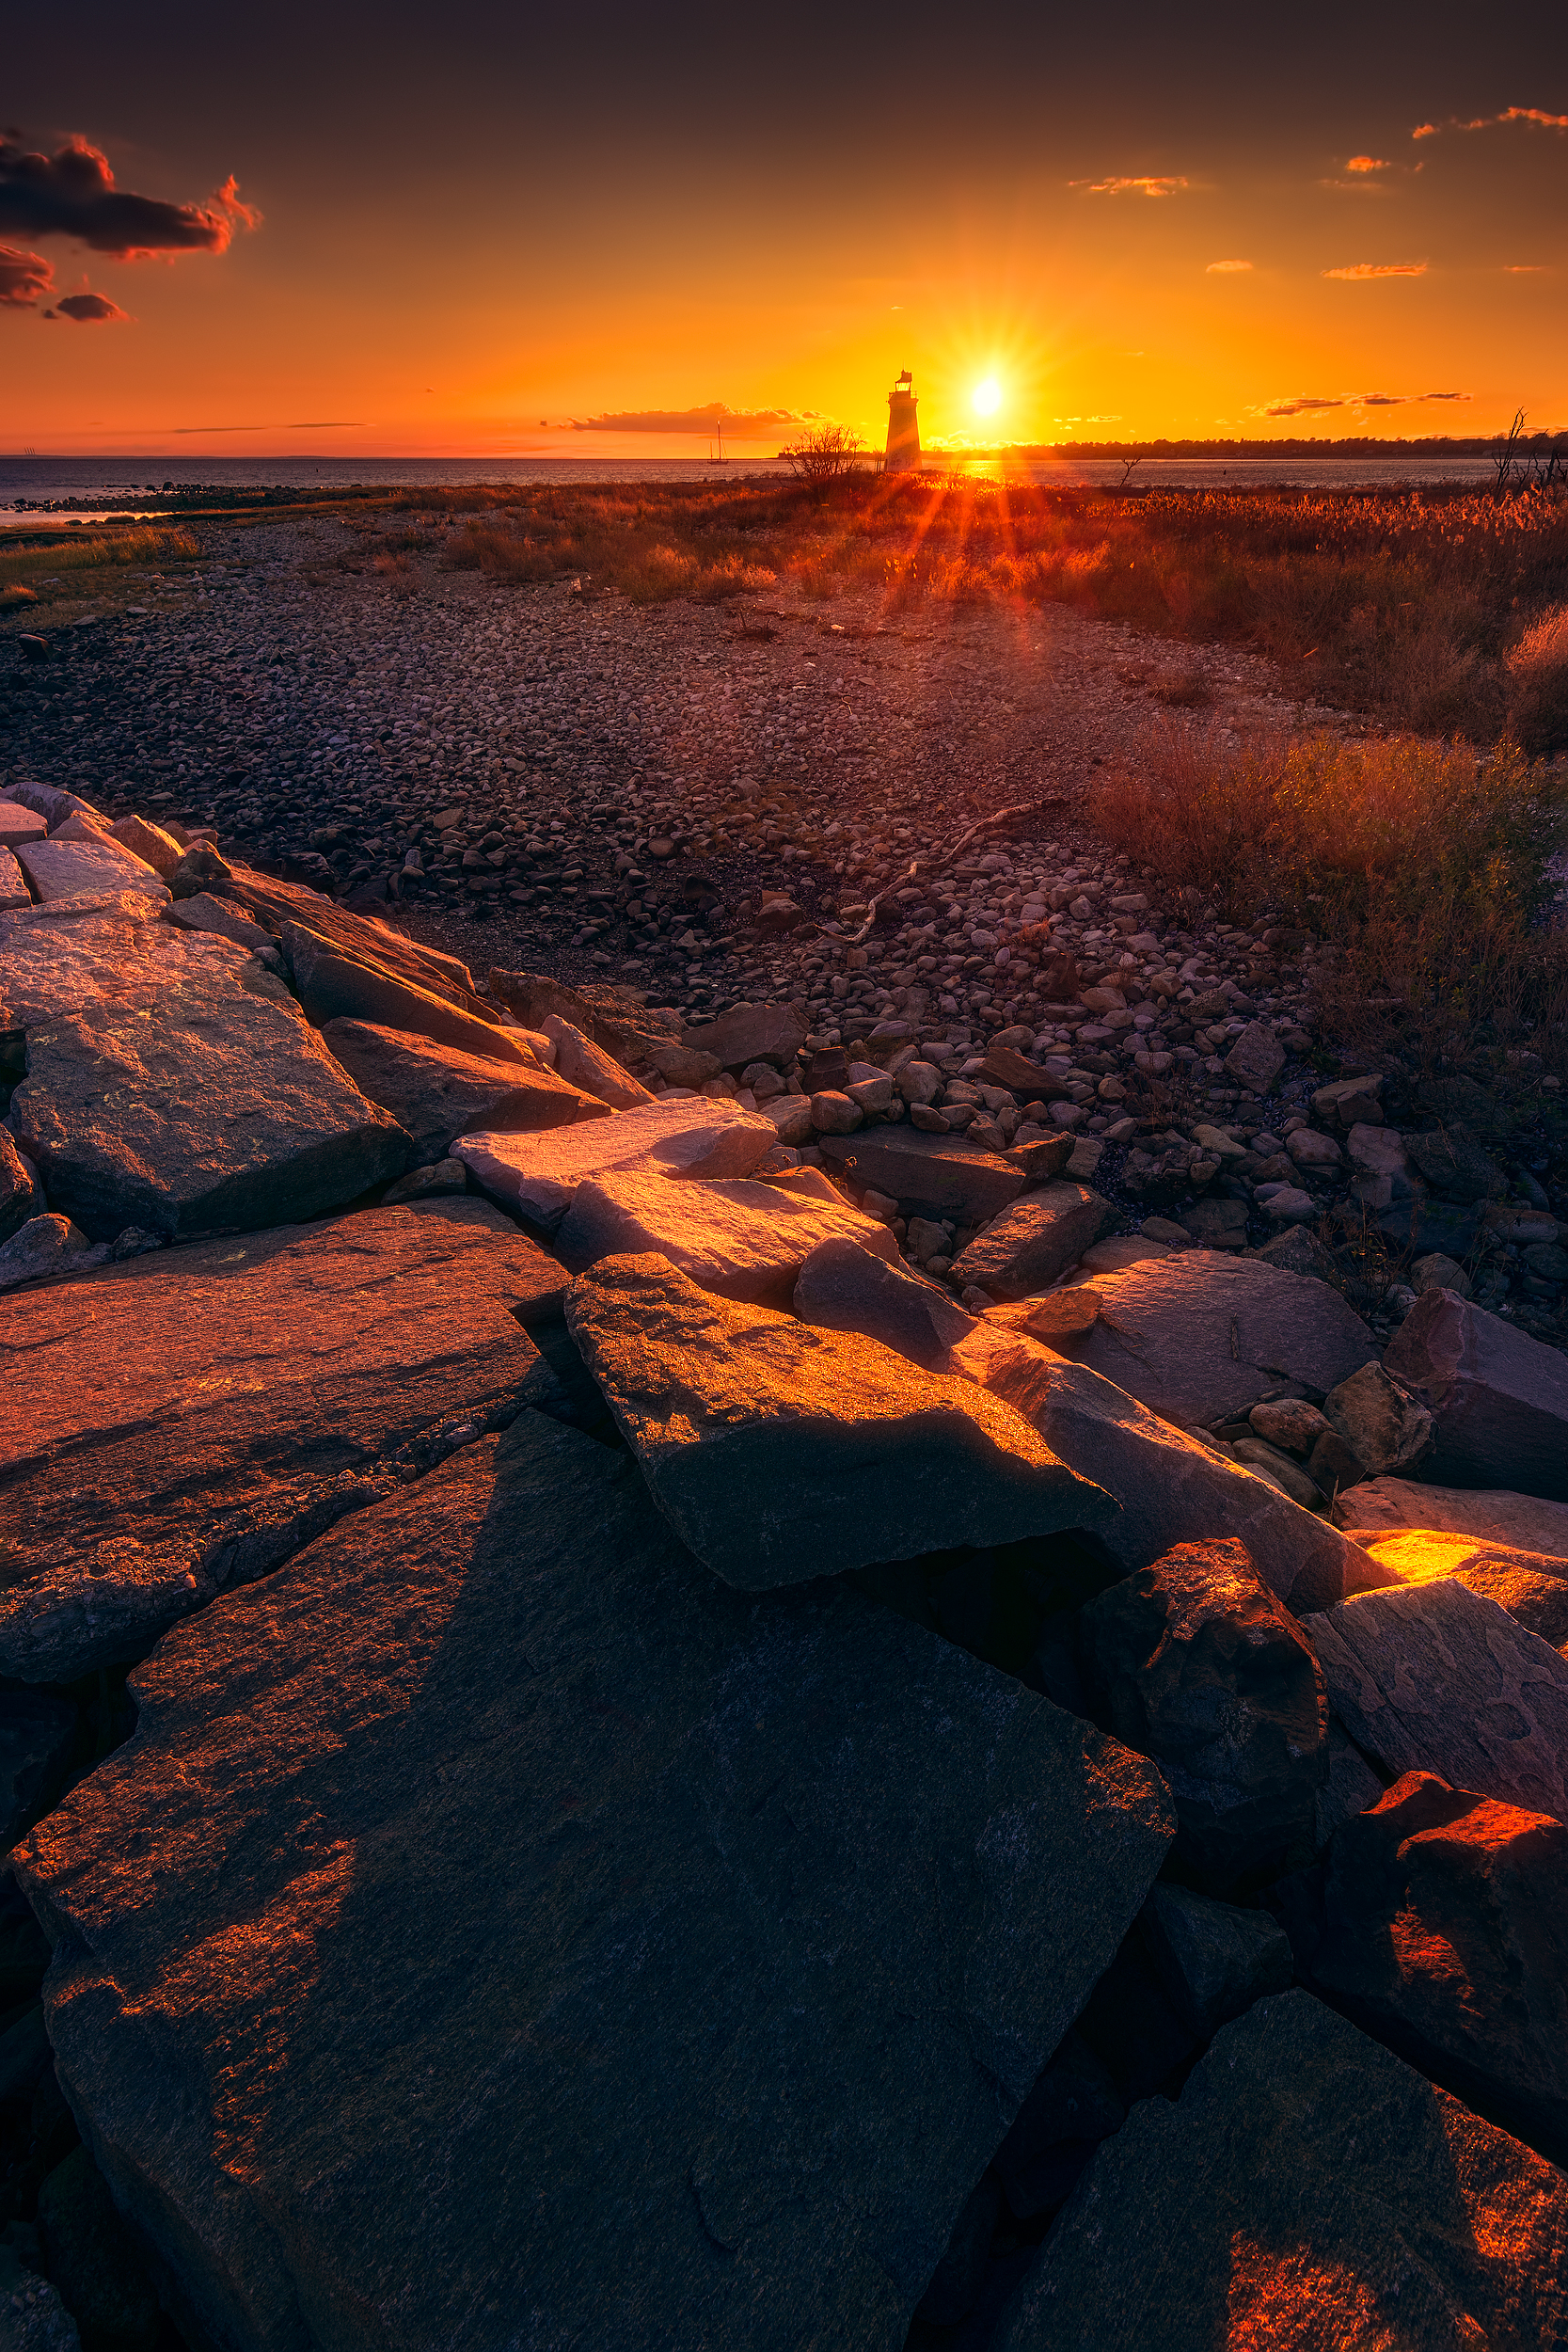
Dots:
pixel 986 399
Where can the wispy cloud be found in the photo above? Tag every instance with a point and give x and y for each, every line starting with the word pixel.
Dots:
pixel 1536 118
pixel 744 421
pixel 1356 272
pixel 1312 403
pixel 1523 269
pixel 25 278
pixel 1368 162
pixel 1226 269
pixel 72 194
pixel 1143 185
pixel 87 310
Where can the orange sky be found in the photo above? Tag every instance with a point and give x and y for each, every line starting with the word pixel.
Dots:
pixel 545 222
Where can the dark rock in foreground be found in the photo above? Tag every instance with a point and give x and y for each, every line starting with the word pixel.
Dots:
pixel 498 1931
pixel 1309 2190
pixel 189 1419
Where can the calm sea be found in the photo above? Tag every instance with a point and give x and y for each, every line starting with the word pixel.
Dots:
pixel 36 478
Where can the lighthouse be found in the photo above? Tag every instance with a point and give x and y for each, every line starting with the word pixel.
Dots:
pixel 903 428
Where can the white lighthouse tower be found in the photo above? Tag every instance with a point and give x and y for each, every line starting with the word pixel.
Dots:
pixel 903 428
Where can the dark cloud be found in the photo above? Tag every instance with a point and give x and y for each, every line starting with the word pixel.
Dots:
pixel 1303 405
pixel 86 308
pixel 742 421
pixel 72 194
pixel 24 278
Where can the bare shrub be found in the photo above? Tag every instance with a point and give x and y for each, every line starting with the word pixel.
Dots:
pixel 825 452
pixel 1182 690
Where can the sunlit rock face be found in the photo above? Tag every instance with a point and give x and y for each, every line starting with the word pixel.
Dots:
pixel 781 1452
pixel 496 1912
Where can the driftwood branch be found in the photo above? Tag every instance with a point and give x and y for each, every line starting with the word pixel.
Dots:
pixel 987 824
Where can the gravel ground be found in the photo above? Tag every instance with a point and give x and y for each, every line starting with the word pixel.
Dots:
pixel 548 779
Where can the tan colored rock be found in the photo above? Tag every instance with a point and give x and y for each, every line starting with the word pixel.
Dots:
pixel 1435 1678
pixel 206 914
pixel 191 1418
pixel 435 1093
pixel 1490 1515
pixel 1033 1241
pixel 19 824
pixel 58 960
pixel 694 1137
pixel 1196 1337
pixel 13 886
pixel 590 1069
pixel 150 842
pixel 779 1452
pixel 740 1239
pixel 1056 1319
pixel 1172 1488
pixel 71 869
pixel 1387 1429
pixel 333 987
pixel 843 1286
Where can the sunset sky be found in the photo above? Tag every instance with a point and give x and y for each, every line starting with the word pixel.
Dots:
pixel 433 229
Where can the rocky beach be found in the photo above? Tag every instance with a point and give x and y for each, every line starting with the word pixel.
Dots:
pixel 777 1571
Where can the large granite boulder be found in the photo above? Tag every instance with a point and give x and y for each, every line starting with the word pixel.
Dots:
pixel 741 1239
pixel 362 938
pixel 930 1176
pixel 1032 1242
pixel 1172 1488
pixel 1436 1679
pixel 496 1924
pixel 1439 1922
pixel 1500 1398
pixel 191 1418
pixel 779 1452
pixel 1202 1668
pixel 1309 2190
pixel 1196 1337
pixel 1492 1514
pixel 538 1174
pixel 436 1091
pixel 59 960
pixel 846 1286
pixel 212 1108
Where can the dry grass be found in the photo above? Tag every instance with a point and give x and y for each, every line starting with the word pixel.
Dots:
pixel 1426 867
pixel 50 574
pixel 1426 609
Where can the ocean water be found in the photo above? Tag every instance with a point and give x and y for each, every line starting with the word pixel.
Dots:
pixel 36 479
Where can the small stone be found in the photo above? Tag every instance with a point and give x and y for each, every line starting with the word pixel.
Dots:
pixel 928 1120
pixel 834 1114
pixel 1287 1204
pixel 1257 1058
pixel 1290 1423
pixel 1287 1475
pixel 44 1246
pixel 1030 1242
pixel 1217 1224
pixel 1435 1272
pixel 425 1183
pixel 1350 1102
pixel 1310 1150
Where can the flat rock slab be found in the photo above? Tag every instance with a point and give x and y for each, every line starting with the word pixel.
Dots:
pixel 1500 1398
pixel 1308 2190
pixel 934 1176
pixel 111 949
pixel 737 1934
pixel 1172 1488
pixel 843 1286
pixel 1033 1241
pixel 1492 1514
pixel 741 1239
pixel 67 870
pixel 435 1091
pixel 179 1424
pixel 361 937
pixel 1436 1679
pixel 19 824
pixel 214 1109
pixel 1195 1336
pixel 779 1452
pixel 1531 1585
pixel 538 1174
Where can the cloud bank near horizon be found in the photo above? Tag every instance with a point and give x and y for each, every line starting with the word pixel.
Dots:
pixel 718 412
